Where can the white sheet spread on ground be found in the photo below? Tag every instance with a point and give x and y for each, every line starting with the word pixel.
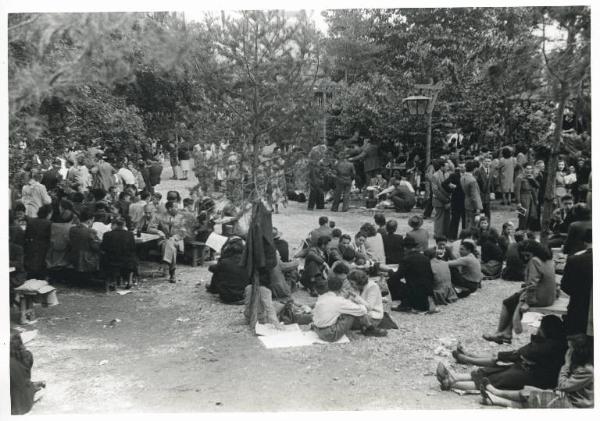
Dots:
pixel 532 318
pixel 290 336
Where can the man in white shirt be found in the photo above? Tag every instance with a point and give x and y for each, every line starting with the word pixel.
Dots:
pixel 334 315
pixel 126 175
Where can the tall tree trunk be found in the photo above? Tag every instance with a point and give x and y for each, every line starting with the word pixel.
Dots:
pixel 548 205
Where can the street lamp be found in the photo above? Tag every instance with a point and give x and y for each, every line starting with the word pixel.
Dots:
pixel 423 104
pixel 416 105
pixel 324 94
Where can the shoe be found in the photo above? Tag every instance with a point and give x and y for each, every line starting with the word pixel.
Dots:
pixel 402 309
pixel 485 397
pixel 441 373
pixel 373 331
pixel 172 281
pixel 499 339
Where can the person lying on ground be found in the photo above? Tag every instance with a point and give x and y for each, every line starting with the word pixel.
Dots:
pixel 575 387
pixel 466 270
pixel 334 315
pixel 539 289
pixel 535 364
pixel 416 292
pixel 443 292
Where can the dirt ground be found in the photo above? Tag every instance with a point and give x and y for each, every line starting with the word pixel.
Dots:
pixel 175 348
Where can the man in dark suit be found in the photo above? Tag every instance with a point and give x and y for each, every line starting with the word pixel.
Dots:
pixel 483 175
pixel 577 281
pixel 440 198
pixel 473 203
pixel 52 177
pixel 415 269
pixel 119 258
pixel 574 242
pixel 393 243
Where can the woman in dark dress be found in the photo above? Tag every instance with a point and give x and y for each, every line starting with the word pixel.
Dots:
pixel 22 389
pixel 536 364
pixel 37 243
pixel 491 255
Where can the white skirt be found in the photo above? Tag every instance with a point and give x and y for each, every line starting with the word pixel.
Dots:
pixel 186 164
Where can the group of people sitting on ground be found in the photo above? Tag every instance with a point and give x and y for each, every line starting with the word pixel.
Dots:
pixel 556 368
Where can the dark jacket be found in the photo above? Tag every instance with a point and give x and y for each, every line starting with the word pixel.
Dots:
pixel 415 268
pixel 542 357
pixel 154 172
pixel 84 249
pixel 21 388
pixel 491 251
pixel 51 178
pixel 37 243
pixel 118 247
pixel 394 248
pixel 457 198
pixel 485 183
pixel 575 235
pixel 229 278
pixel 345 172
pixel 577 281
pixel 313 266
pixel 283 249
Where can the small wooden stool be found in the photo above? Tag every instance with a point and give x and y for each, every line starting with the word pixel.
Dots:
pixel 26 301
pixel 195 252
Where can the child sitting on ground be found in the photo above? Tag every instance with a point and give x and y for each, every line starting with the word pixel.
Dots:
pixel 420 235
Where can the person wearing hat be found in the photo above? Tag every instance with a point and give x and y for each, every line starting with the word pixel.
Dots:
pixel 416 293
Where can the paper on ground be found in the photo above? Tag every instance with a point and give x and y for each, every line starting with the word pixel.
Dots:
pixel 294 339
pixel 215 241
pixel 28 335
pixel 532 318
pixel 124 291
pixel 268 329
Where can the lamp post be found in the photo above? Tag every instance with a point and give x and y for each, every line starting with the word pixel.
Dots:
pixel 324 93
pixel 422 104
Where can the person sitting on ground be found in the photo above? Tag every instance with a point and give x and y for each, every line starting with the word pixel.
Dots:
pixel 485 227
pixel 403 196
pixel 416 293
pixel 491 255
pixel 378 182
pixel 466 270
pixel 322 230
pixel 392 243
pixel 575 383
pixel 373 243
pixel 334 315
pixel 119 258
pixel 333 250
pixel 453 248
pixel 341 270
pixel 379 219
pixel 515 267
pixel 229 277
pixel 369 294
pixel 281 245
pixel 536 364
pixel 507 237
pixel 315 264
pixel 22 389
pixel 539 289
pixel 443 249
pixel 443 292
pixel 362 257
pixel 420 235
pixel 560 222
